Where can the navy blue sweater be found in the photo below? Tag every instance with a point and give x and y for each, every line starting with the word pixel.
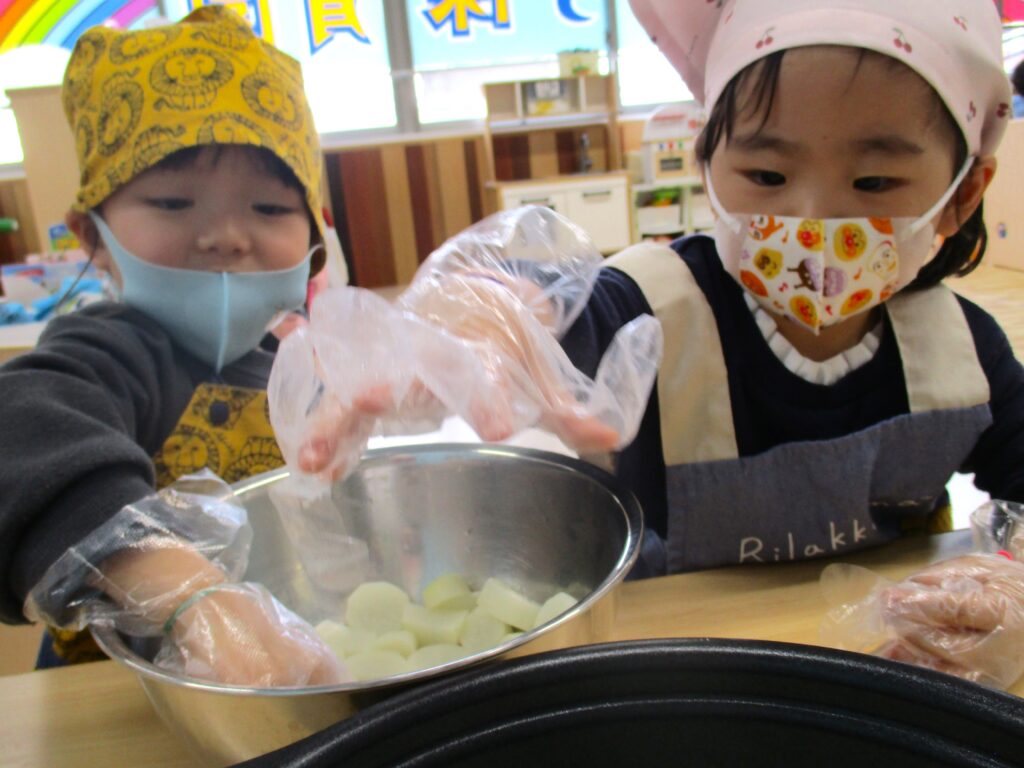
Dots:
pixel 80 417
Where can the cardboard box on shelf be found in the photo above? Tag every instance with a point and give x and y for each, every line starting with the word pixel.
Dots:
pixel 578 62
pixel 547 97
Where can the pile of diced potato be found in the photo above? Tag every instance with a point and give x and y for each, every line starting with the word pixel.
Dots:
pixel 385 633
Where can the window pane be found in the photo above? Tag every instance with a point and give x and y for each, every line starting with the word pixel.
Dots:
pixel 342 46
pixel 645 76
pixel 457 45
pixel 35 45
pixel 27 66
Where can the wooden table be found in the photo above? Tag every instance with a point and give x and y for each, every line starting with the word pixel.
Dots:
pixel 15 339
pixel 97 715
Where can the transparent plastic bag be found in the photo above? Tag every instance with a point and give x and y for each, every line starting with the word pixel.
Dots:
pixel 334 561
pixel 998 527
pixel 963 616
pixel 240 634
pixel 475 335
pixel 548 260
pixel 198 512
pixel 167 566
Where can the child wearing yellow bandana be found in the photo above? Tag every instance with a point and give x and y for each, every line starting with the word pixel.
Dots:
pixel 200 194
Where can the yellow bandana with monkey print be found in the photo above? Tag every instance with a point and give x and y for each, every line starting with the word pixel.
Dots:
pixel 134 97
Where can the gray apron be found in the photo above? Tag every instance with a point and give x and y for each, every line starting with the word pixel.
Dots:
pixel 815 498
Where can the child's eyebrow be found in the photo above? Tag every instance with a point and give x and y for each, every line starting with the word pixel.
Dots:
pixel 761 142
pixel 887 145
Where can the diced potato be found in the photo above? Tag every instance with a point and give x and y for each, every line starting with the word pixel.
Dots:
pixel 387 634
pixel 343 640
pixel 449 591
pixel 401 641
pixel 434 655
pixel 376 663
pixel 482 631
pixel 554 606
pixel 433 625
pixel 508 605
pixel 376 606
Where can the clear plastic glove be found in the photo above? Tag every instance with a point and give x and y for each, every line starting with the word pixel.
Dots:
pixel 474 335
pixel 998 526
pixel 546 260
pixel 148 557
pixel 963 616
pixel 163 565
pixel 241 635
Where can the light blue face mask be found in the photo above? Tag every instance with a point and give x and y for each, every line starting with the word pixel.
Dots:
pixel 217 316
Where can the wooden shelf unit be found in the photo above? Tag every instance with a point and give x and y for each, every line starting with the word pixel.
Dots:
pixel 527 137
pixel 690 213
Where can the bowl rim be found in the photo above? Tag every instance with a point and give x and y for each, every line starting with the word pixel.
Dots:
pixel 112 644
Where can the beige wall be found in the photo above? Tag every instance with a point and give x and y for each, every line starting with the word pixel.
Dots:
pixel 51 167
pixel 1004 202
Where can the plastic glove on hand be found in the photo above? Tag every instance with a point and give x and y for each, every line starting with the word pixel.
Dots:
pixel 520 357
pixel 964 616
pixel 475 335
pixel 474 349
pixel 240 634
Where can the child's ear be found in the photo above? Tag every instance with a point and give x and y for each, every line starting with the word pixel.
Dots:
pixel 84 229
pixel 88 236
pixel 968 196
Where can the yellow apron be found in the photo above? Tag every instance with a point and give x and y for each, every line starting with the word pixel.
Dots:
pixel 225 429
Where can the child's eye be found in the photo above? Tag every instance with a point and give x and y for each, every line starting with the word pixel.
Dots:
pixel 875 184
pixel 272 209
pixel 170 203
pixel 766 178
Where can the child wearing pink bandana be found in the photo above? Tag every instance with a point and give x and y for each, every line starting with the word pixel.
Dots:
pixel 819 383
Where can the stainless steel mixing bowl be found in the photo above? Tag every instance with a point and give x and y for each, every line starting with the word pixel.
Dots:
pixel 538 520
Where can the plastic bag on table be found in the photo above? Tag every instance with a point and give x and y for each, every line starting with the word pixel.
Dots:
pixel 963 616
pixel 475 335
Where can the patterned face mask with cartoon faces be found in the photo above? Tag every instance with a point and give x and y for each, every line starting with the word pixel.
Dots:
pixel 822 271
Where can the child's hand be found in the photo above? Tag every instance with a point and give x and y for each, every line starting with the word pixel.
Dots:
pixel 496 341
pixel 241 635
pixel 964 616
pixel 475 335
pixel 337 434
pixel 229 633
pixel 506 319
pixel 150 583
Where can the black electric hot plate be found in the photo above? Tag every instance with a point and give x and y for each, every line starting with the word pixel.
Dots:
pixel 678 703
